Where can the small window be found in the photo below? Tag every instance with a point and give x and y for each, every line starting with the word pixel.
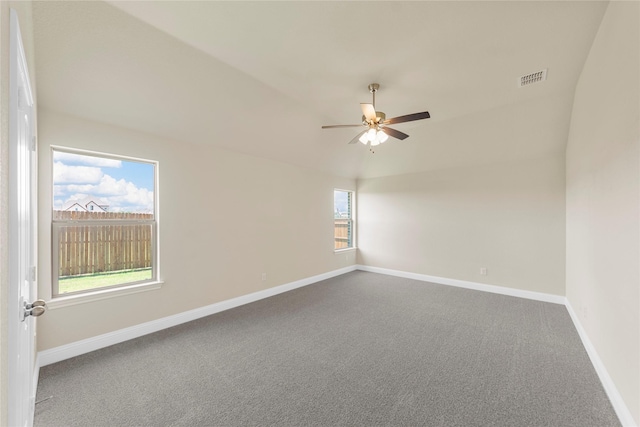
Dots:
pixel 104 228
pixel 343 219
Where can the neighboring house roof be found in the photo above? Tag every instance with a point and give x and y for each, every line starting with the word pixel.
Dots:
pixel 73 207
pixel 86 204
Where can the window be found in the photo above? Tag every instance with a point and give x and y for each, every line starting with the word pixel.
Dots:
pixel 104 225
pixel 343 219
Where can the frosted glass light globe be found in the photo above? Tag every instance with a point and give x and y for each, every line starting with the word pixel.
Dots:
pixel 371 135
pixel 382 137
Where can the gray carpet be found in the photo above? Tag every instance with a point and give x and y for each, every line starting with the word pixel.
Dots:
pixel 360 349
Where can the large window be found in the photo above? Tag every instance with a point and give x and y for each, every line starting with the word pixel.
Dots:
pixel 343 219
pixel 104 229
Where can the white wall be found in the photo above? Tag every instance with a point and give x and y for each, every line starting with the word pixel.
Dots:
pixel 246 216
pixel 603 199
pixel 507 216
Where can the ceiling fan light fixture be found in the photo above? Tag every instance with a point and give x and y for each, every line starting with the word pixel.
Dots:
pixel 364 138
pixel 371 135
pixel 382 137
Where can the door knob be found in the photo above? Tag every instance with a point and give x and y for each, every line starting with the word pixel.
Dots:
pixel 35 309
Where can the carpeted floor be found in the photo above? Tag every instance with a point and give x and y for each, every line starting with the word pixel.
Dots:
pixel 360 349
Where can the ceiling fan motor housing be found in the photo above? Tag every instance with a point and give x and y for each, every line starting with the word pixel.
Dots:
pixel 380 117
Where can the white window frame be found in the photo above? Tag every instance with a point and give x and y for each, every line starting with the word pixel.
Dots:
pixel 351 219
pixel 154 282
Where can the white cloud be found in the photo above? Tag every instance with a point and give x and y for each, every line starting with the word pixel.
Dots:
pixel 59 191
pixel 109 186
pixel 133 199
pixel 64 174
pixel 82 188
pixel 120 195
pixel 80 159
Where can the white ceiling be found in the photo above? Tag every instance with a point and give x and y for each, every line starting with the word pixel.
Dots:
pixel 262 77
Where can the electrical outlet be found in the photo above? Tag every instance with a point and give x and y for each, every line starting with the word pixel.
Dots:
pixel 264 276
pixel 483 271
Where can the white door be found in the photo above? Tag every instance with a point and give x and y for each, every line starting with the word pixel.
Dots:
pixel 22 254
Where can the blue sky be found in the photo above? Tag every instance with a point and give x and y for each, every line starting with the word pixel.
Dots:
pixel 341 201
pixel 123 185
pixel 140 174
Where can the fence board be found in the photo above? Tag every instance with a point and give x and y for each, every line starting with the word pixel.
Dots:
pixel 341 233
pixel 87 249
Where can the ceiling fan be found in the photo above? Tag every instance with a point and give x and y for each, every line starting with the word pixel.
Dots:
pixel 375 122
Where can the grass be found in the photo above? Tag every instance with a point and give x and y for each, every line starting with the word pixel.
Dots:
pixel 101 280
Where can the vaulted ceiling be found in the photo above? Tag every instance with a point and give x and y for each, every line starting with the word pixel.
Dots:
pixel 262 77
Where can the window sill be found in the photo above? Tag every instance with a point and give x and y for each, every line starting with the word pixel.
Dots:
pixel 337 251
pixel 66 301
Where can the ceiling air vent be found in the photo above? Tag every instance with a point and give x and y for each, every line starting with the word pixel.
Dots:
pixel 536 77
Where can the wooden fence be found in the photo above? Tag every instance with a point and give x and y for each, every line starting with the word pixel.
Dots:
pixel 96 248
pixel 342 237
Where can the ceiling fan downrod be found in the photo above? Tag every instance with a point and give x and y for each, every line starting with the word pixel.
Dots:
pixel 373 88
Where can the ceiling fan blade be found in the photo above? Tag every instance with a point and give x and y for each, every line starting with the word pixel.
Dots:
pixel 357 137
pixel 407 118
pixel 395 133
pixel 369 112
pixel 341 126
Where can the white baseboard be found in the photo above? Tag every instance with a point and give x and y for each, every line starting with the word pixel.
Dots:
pixel 626 419
pixel 57 354
pixel 538 296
